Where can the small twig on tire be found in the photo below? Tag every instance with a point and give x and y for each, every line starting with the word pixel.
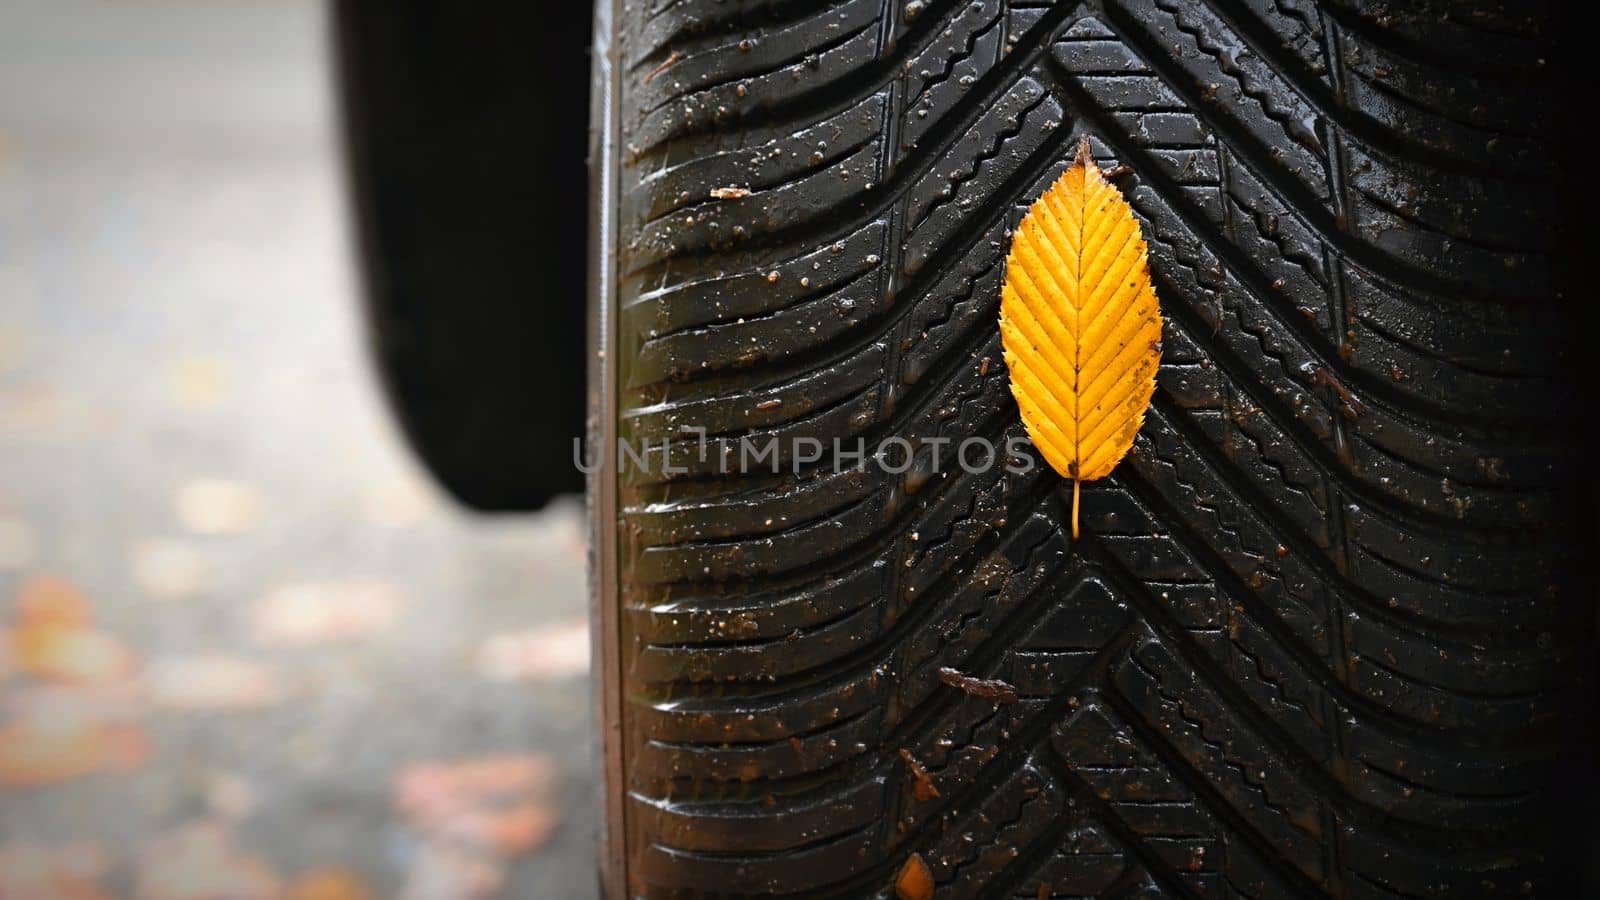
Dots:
pixel 662 66
pixel 987 688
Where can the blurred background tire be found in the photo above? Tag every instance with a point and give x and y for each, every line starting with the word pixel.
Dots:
pixel 467 128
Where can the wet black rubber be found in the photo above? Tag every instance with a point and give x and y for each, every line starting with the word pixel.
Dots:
pixel 1316 639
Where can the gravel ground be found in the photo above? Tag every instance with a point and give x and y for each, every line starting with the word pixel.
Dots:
pixel 246 649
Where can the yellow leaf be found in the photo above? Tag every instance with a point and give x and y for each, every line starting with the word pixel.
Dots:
pixel 1080 324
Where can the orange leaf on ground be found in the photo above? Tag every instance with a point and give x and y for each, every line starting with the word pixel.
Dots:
pixel 328 884
pixel 60 705
pixel 553 651
pixel 52 871
pixel 199 382
pixel 214 682
pixel 50 600
pixel 512 831
pixel 169 569
pixel 218 506
pixel 230 797
pixel 200 862
pixel 66 653
pixel 502 804
pixel 313 612
pixel 401 501
pixel 18 544
pixel 53 638
pixel 35 752
pixel 443 871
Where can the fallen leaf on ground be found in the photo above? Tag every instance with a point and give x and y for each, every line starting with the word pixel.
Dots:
pixel 199 382
pixel 328 884
pixel 108 702
pixel 18 544
pixel 69 654
pixel 34 871
pixel 169 569
pixel 37 413
pixel 216 506
pixel 230 797
pixel 503 804
pixel 443 872
pixel 52 637
pixel 15 342
pixel 318 611
pixel 199 861
pixel 36 751
pixel 549 652
pixel 50 600
pixel 398 502
pixel 214 682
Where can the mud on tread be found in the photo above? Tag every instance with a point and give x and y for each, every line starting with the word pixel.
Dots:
pixel 1315 639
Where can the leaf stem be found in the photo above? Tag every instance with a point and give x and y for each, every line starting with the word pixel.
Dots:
pixel 1075 509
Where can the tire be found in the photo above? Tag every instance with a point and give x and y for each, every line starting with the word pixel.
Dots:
pixel 1319 636
pixel 465 156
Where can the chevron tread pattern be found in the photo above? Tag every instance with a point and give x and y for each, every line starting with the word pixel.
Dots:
pixel 1318 637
